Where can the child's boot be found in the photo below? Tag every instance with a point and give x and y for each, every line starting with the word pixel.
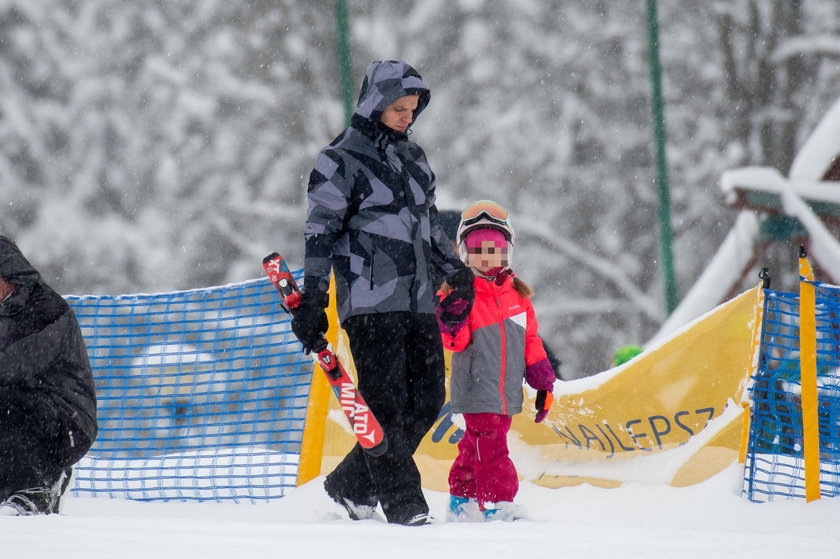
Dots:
pixel 462 509
pixel 505 511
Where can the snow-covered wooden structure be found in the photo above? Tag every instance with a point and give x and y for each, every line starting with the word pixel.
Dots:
pixel 804 206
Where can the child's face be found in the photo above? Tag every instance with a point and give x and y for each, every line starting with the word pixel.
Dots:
pixel 489 255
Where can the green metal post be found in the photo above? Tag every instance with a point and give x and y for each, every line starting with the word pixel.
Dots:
pixel 344 64
pixel 657 105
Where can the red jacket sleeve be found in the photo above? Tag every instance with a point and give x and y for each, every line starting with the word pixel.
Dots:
pixel 534 350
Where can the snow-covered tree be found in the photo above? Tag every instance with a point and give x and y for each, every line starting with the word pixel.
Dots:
pixel 148 146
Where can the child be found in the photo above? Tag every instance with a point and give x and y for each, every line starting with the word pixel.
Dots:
pixel 494 343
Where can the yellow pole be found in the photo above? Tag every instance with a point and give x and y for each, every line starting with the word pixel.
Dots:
pixel 745 433
pixel 312 446
pixel 808 374
pixel 755 348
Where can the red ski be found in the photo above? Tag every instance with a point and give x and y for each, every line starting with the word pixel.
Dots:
pixel 365 426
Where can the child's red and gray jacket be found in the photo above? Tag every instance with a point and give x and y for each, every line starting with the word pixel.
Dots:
pixel 492 350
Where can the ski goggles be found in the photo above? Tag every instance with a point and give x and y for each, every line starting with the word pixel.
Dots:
pixel 486 240
pixel 485 209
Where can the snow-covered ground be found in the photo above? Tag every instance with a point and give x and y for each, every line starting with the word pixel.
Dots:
pixel 709 520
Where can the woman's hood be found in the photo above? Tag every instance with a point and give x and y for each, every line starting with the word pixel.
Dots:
pixel 386 81
pixel 14 267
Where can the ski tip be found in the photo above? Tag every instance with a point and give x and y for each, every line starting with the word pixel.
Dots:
pixel 379 449
pixel 270 257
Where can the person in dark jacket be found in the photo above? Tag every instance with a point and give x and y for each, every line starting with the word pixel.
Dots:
pixel 372 220
pixel 47 397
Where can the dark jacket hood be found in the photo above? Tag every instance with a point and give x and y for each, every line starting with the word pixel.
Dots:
pixel 386 81
pixel 15 268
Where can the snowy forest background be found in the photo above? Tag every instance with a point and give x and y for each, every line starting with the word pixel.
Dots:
pixel 162 145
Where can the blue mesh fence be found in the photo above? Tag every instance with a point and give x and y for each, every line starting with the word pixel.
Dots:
pixel 775 468
pixel 201 394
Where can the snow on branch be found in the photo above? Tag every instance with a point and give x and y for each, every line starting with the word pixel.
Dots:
pixel 820 150
pixel 770 180
pixel 826 45
pixel 605 268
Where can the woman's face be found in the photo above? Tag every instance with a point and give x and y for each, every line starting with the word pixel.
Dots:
pixel 5 288
pixel 399 114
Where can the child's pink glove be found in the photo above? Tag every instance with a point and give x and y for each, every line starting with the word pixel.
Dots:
pixel 540 375
pixel 452 315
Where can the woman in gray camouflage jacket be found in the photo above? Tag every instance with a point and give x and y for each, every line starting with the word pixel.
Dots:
pixel 372 220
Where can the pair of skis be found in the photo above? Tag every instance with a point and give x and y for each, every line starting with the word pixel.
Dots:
pixel 365 426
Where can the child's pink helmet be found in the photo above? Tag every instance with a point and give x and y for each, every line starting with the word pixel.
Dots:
pixel 484 214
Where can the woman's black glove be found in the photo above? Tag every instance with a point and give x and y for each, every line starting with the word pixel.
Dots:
pixel 461 288
pixel 309 321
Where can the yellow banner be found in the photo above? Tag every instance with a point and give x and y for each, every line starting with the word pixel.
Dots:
pixel 657 403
